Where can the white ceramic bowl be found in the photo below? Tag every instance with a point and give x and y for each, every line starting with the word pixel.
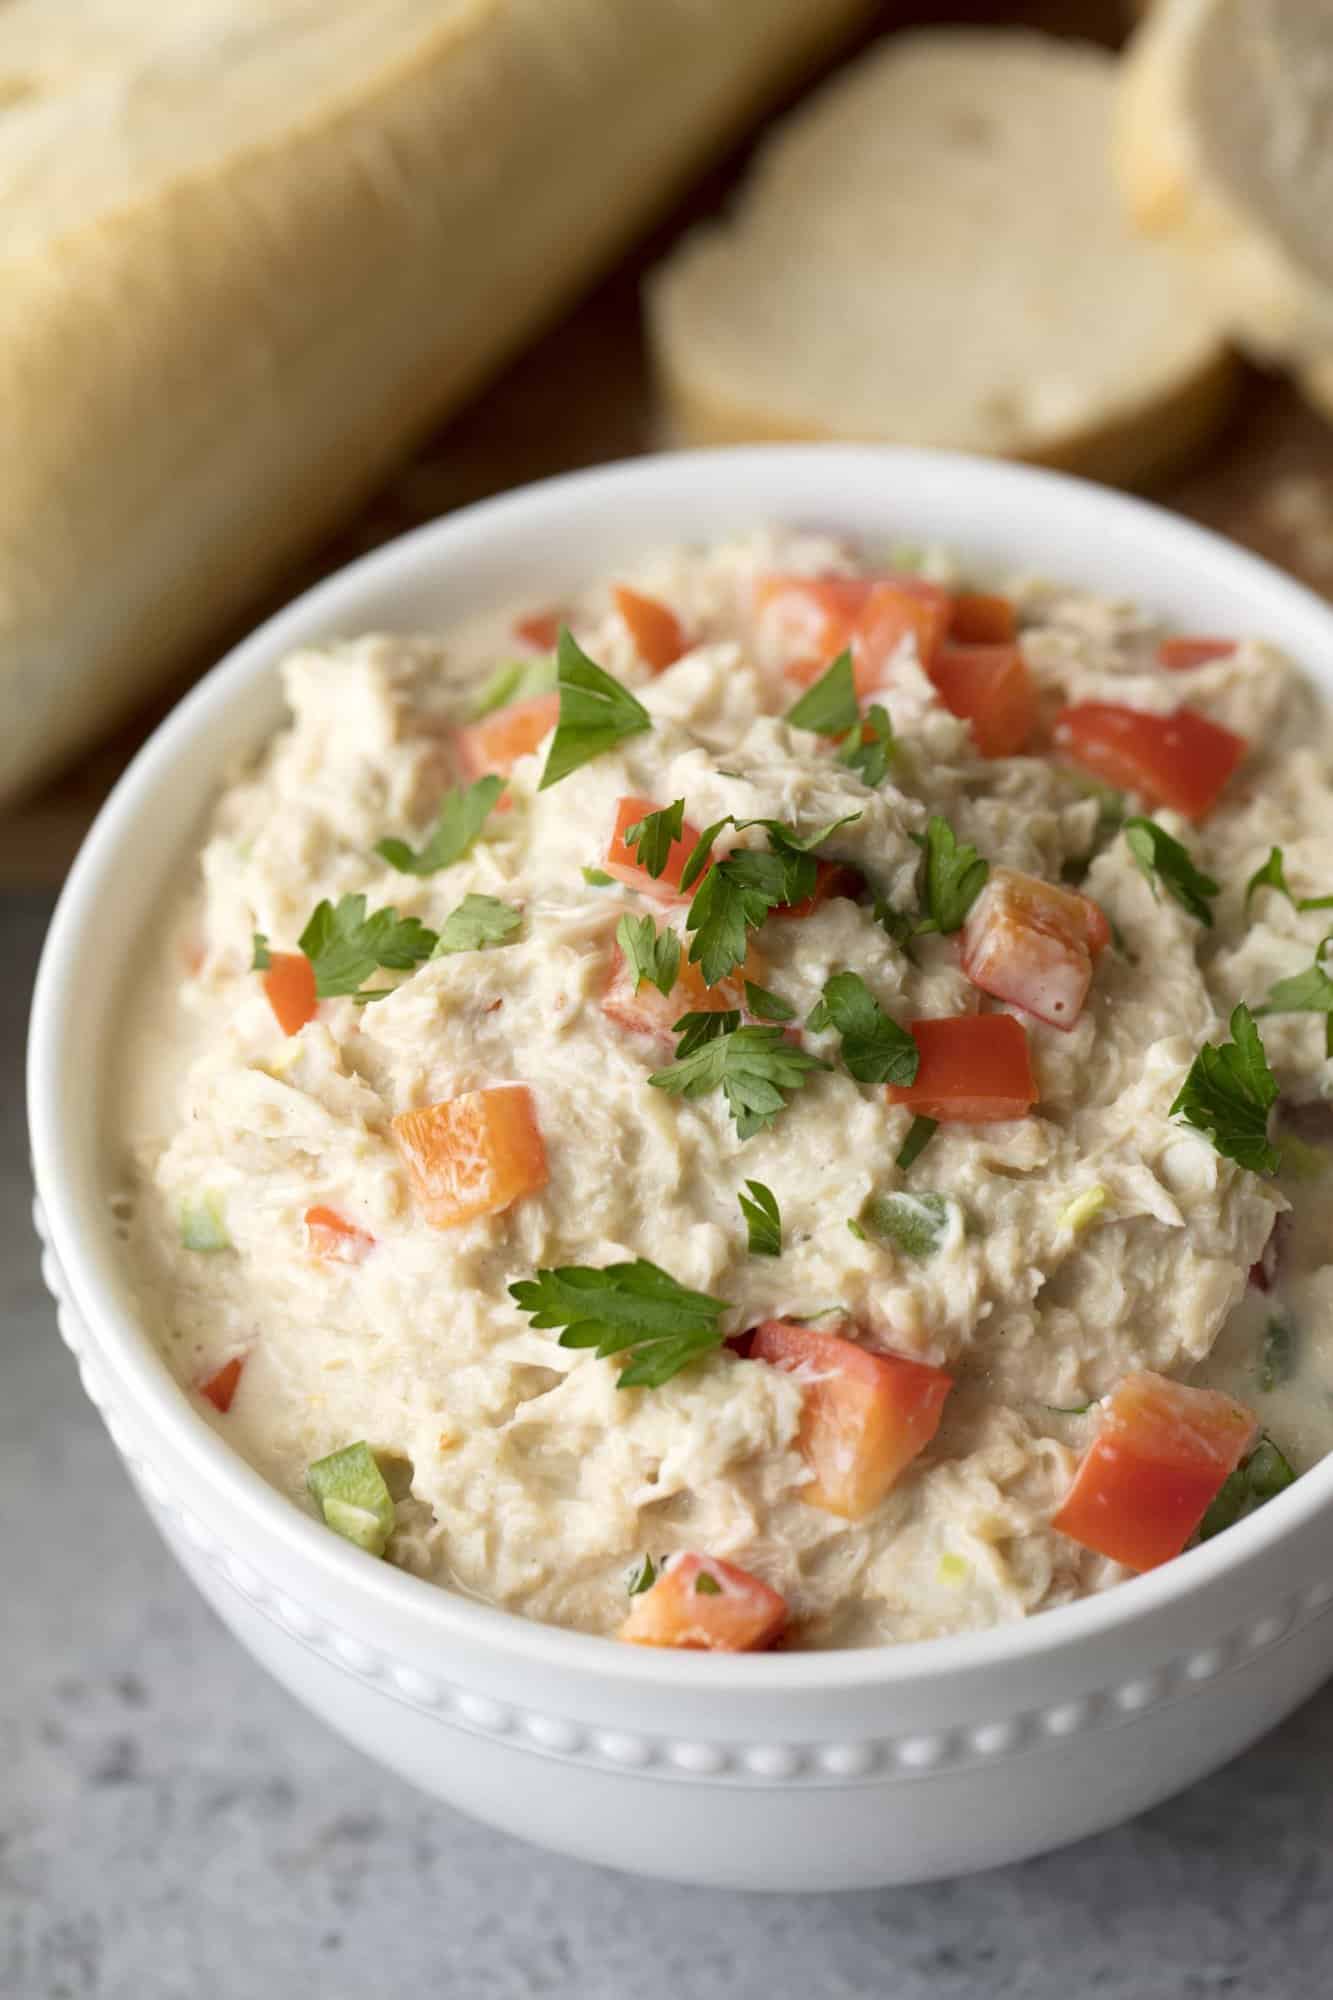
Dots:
pixel 797 1771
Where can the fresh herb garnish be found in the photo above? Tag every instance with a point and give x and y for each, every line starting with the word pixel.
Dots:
pixel 262 957
pixel 345 946
pixel 1257 1478
pixel 705 1026
pixel 1159 855
pixel 351 1494
pixel 641 1579
pixel 955 876
pixel 766 1006
pixel 596 712
pixel 653 836
pixel 900 925
pixel 649 955
pixel 597 878
pixel 856 1229
pixel 919 1135
pixel 1228 1094
pixel 516 680
pixel 461 818
pixel 1308 992
pixel 829 706
pixel 738 892
pixel 706 1585
pixel 1272 875
pixel 915 1224
pixel 763 1220
pixel 874 1048
pixel 636 1309
pixel 1070 1409
pixel 870 747
pixel 478 923
pixel 753 1067
pixel 1279 1354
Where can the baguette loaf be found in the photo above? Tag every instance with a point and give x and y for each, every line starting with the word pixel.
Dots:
pixel 1224 147
pixel 251 249
pixel 932 251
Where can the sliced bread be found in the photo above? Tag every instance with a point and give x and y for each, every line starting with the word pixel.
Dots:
pixel 1224 148
pixel 931 250
pixel 248 253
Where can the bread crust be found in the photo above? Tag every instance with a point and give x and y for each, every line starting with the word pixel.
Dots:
pixel 197 384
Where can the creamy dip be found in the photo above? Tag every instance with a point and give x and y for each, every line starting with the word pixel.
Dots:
pixel 1065 1249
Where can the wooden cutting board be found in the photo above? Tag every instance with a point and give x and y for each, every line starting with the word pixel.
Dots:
pixel 583 396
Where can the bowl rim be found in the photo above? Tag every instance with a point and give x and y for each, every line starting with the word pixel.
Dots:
pixel 126 1348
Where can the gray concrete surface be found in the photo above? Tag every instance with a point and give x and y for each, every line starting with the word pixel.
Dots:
pixel 173 1827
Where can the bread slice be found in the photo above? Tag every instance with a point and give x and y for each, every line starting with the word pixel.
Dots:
pixel 932 251
pixel 249 253
pixel 1224 147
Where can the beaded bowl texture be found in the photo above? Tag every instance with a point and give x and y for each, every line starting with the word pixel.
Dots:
pixel 796 1771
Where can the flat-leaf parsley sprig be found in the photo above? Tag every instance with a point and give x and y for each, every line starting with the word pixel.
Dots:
pixel 635 1309
pixel 954 877
pixel 345 946
pixel 1164 858
pixel 649 954
pixel 1308 992
pixel 1272 874
pixel 461 818
pixel 755 1068
pixel 763 1220
pixel 596 712
pixel 653 836
pixel 874 1048
pixel 737 893
pixel 1228 1094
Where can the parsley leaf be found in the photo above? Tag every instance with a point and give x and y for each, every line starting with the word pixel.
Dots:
pixel 738 892
pixel 1158 854
pixel 955 877
pixel 653 836
pixel 763 1220
pixel 345 946
pixel 648 955
pixel 462 816
pixel 706 1585
pixel 871 748
pixel 1308 992
pixel 597 878
pixel 1273 875
pixel 766 1006
pixel 829 706
pixel 263 957
pixel 696 1029
pixel 516 680
pixel 1256 1479
pixel 874 1048
pixel 919 1135
pixel 1228 1094
pixel 753 1067
pixel 641 1579
pixel 477 923
pixel 596 712
pixel 635 1308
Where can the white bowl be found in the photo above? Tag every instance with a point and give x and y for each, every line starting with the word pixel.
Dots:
pixel 795 1771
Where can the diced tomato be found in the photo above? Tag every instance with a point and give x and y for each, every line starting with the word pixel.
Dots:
pixel 825 615
pixel 1181 760
pixel 1162 1453
pixel 329 1234
pixel 472 1155
pixel 650 1012
pixel 832 878
pixel 978 619
pixel 1033 944
pixel 496 742
pixel 1188 652
pixel 540 630
pixel 864 1416
pixel 901 608
pixel 622 860
pixel 289 983
pixel 653 626
pixel 220 1387
pixel 990 687
pixel 975 1068
pixel 733 1612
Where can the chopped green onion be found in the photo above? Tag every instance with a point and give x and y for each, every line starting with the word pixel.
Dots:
pixel 203 1223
